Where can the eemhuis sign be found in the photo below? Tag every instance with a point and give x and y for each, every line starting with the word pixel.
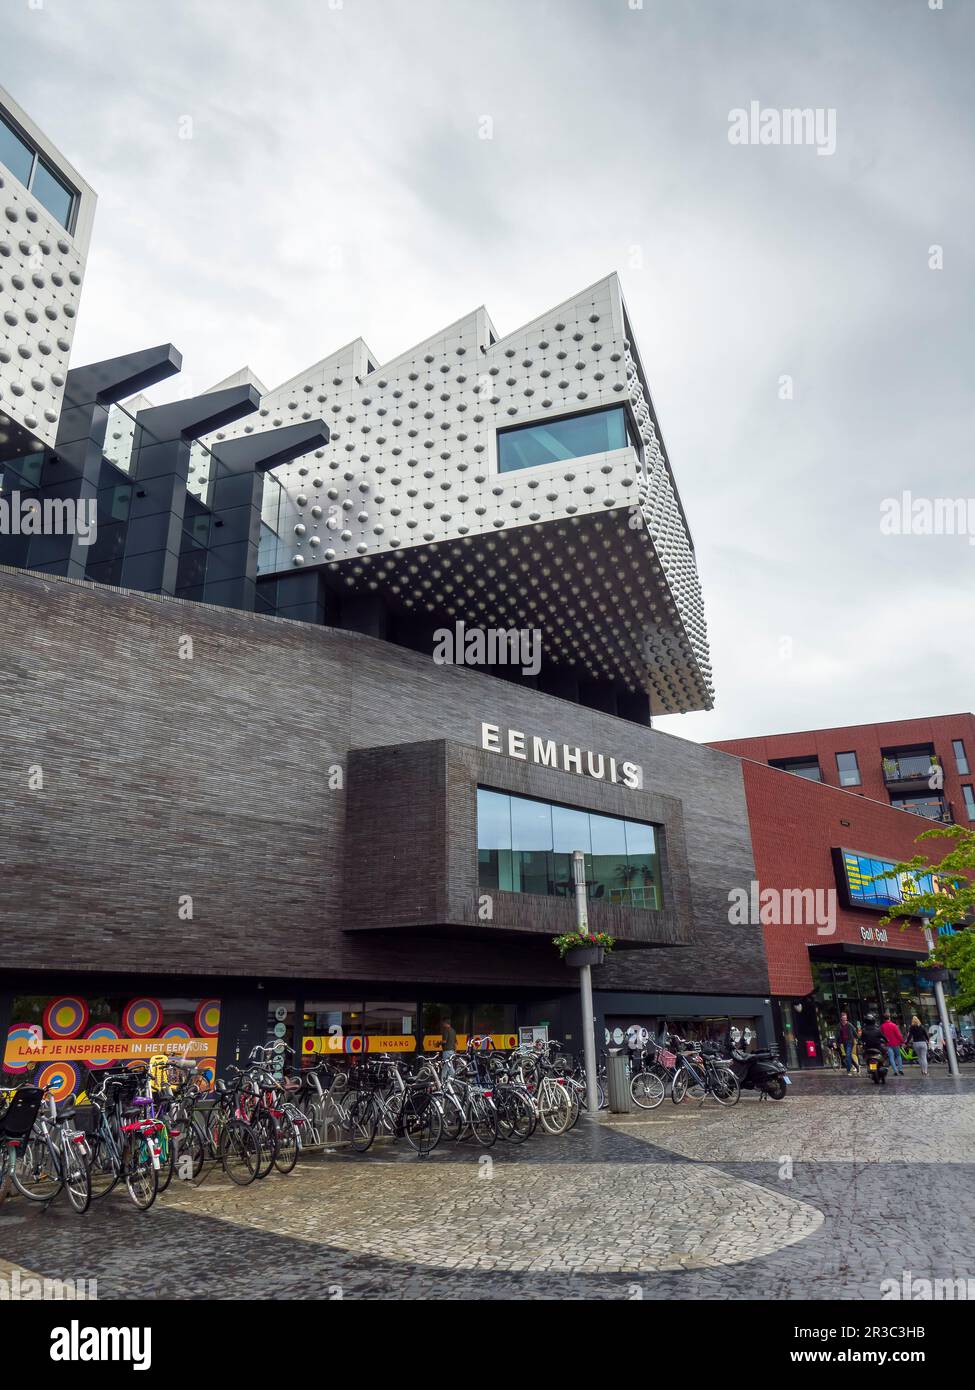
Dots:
pixel 564 757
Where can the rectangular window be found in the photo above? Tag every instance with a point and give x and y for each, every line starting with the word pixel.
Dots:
pixel 969 796
pixel 848 769
pixel 52 194
pixel 15 153
pixel 961 759
pixel 526 846
pixel 36 174
pixel 557 441
pixel 800 767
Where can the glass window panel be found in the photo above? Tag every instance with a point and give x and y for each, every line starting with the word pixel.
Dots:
pixel 570 831
pixel 611 873
pixel 641 856
pixel 969 796
pixel 848 769
pixel 389 1019
pixel 494 839
pixel 531 824
pixel 51 193
pixel 15 153
pixel 961 758
pixel 493 820
pixel 554 441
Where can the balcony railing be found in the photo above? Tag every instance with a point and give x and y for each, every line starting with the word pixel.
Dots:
pixel 914 767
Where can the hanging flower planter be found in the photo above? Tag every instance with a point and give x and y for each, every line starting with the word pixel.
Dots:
pixel 578 948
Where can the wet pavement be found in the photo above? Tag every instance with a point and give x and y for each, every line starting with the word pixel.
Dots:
pixel 824 1195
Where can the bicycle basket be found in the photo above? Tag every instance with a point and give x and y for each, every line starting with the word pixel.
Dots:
pixel 18 1119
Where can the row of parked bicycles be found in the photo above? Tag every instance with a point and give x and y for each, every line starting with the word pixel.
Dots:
pixel 144 1125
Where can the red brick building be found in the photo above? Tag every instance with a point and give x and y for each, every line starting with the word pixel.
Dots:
pixel 828 809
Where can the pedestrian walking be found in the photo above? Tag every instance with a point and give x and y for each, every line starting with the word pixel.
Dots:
pixel 846 1037
pixel 917 1036
pixel 894 1039
pixel 448 1038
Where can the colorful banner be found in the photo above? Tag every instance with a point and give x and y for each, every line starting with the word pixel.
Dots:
pixel 57 1054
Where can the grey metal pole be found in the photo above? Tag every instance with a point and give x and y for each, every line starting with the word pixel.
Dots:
pixel 939 994
pixel 585 984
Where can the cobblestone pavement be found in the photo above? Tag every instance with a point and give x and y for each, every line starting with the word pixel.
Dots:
pixel 821 1196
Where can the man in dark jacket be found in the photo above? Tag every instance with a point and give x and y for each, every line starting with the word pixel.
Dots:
pixel 448 1038
pixel 846 1037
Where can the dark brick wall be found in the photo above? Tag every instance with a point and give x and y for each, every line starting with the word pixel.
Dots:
pixel 210 777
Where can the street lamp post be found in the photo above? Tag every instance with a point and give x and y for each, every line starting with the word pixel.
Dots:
pixel 585 984
pixel 939 994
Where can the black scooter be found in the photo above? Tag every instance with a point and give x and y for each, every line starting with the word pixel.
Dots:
pixel 760 1071
pixel 877 1065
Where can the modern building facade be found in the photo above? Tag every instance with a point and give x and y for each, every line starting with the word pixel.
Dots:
pixel 829 811
pixel 46 215
pixel 218 823
pixel 247 793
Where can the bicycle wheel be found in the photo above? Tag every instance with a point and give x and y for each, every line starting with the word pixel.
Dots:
pixel 191 1150
pixel 554 1108
pixel 724 1086
pixel 167 1157
pixel 516 1118
pixel 37 1172
pixel 483 1119
pixel 647 1090
pixel 240 1152
pixel 104 1171
pixel 679 1088
pixel 140 1173
pixel 77 1174
pixel 285 1143
pixel 575 1103
pixel 362 1122
pixel 451 1115
pixel 422 1125
pixel 267 1138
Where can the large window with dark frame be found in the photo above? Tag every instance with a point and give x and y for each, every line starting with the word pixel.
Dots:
pixel 38 176
pixel 526 846
pixel 570 437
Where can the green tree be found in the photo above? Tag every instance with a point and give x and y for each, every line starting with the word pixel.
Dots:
pixel 950 902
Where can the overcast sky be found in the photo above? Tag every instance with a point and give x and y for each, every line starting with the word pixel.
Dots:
pixel 335 184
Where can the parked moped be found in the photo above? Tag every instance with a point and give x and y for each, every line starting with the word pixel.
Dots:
pixel 762 1072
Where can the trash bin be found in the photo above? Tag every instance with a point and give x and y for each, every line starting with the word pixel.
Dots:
pixel 618 1079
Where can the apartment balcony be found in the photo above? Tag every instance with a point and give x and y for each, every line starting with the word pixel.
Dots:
pixel 909 773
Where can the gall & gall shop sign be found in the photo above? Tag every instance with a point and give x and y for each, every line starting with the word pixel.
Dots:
pixel 565 757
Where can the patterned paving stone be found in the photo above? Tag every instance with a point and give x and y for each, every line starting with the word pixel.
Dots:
pixel 823 1196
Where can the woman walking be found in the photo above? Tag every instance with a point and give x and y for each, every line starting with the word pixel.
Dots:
pixel 917 1036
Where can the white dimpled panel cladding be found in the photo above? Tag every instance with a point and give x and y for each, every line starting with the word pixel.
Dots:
pixel 407 495
pixel 41 272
